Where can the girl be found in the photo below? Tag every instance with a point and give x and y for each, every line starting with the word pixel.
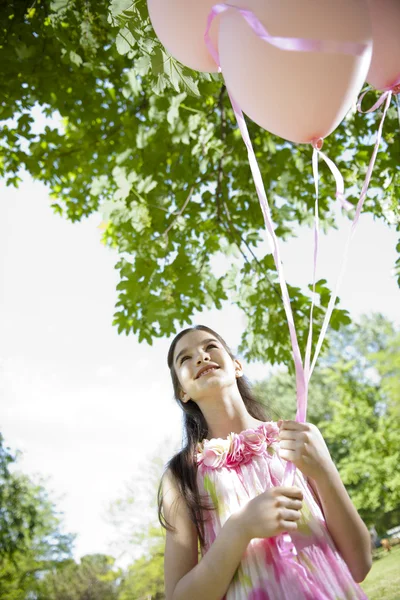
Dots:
pixel 223 491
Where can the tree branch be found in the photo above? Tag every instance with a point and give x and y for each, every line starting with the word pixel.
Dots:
pixel 235 233
pixel 220 171
pixel 179 213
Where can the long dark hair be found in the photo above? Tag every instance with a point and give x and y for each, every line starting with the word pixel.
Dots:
pixel 183 465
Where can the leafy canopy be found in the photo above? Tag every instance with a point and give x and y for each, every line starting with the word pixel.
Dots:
pixel 154 146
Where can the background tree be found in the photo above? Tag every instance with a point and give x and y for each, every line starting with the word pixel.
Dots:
pixel 138 534
pixel 31 540
pixel 134 515
pixel 94 578
pixel 144 579
pixel 354 400
pixel 155 148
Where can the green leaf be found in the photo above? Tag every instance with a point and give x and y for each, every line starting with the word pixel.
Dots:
pixel 23 51
pixel 142 65
pixel 123 156
pixel 75 58
pixel 140 217
pixel 160 85
pixel 173 111
pixel 125 41
pixel 157 61
pixel 98 185
pixel 119 6
pixel 59 5
pixel 134 82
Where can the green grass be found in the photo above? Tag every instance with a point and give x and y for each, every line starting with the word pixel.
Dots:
pixel 383 581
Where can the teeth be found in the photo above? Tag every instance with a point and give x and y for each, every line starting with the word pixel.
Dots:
pixel 208 370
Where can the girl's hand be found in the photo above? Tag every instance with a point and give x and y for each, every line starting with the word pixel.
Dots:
pixel 303 445
pixel 270 513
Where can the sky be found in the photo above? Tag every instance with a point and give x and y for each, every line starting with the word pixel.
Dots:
pixel 88 407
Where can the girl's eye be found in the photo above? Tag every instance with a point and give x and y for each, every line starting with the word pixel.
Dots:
pixel 209 346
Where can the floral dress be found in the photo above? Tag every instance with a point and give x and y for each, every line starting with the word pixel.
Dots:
pixel 234 470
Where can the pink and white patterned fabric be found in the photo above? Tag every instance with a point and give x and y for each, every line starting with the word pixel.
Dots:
pixel 234 470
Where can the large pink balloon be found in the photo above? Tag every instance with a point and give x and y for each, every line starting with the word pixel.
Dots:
pixel 384 71
pixel 300 96
pixel 180 26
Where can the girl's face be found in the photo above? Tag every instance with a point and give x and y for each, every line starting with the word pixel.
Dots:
pixel 199 350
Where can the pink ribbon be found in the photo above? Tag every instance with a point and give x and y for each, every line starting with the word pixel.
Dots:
pixel 303 373
pixel 387 95
pixel 298 44
pixel 389 91
pixel 317 145
pixel 283 43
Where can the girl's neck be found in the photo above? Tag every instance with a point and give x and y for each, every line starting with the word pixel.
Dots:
pixel 221 425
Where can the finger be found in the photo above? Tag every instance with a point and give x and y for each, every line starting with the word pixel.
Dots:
pixel 287 514
pixel 285 503
pixel 294 426
pixel 288 526
pixel 288 445
pixel 292 434
pixel 294 504
pixel 291 492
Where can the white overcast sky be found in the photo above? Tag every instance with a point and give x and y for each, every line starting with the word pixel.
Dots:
pixel 87 406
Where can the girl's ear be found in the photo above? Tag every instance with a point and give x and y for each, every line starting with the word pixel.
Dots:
pixel 184 396
pixel 238 368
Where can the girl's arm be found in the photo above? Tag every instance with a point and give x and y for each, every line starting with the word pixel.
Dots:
pixel 210 578
pixel 345 525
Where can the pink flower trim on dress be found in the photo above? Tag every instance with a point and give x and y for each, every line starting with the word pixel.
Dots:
pixel 237 448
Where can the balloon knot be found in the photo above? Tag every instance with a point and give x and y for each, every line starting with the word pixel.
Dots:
pixel 396 89
pixel 317 143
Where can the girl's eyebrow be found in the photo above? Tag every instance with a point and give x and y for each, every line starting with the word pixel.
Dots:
pixel 203 342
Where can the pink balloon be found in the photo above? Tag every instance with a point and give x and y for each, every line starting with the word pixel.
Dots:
pixel 384 71
pixel 300 96
pixel 180 27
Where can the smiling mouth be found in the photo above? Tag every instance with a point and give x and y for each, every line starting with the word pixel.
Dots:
pixel 208 371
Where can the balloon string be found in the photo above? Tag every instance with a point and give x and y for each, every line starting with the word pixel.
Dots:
pixel 303 373
pixel 316 244
pixel 272 239
pixel 293 44
pixel 332 301
pixel 301 379
pixel 377 104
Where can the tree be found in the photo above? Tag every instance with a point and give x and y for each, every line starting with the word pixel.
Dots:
pixel 31 541
pixel 364 446
pixel 155 147
pixel 138 532
pixel 385 358
pixel 18 512
pixel 134 514
pixel 144 579
pixel 354 400
pixel 93 579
